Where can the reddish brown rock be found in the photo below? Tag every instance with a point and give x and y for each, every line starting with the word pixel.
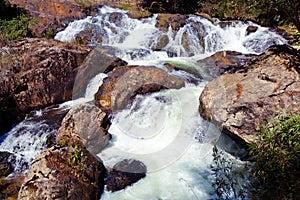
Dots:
pixel 71 170
pixel 139 13
pixel 239 103
pixel 36 73
pixel 65 172
pixel 51 14
pixel 10 186
pixel 251 29
pixel 124 83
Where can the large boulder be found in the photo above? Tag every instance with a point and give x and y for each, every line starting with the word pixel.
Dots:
pixel 64 172
pixel 36 73
pixel 70 169
pixel 240 103
pixel 98 61
pixel 125 173
pixel 86 125
pixel 124 83
pixel 51 14
pixel 224 62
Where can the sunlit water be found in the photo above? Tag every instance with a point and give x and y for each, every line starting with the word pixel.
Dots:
pixel 164 129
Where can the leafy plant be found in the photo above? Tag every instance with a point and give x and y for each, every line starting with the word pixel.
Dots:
pixel 273 10
pixel 77 155
pixel 63 143
pixel 228 176
pixel 16 28
pixel 276 155
pixel 49 33
pixel 171 6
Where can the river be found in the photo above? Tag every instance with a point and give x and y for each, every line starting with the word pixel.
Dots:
pixel 163 129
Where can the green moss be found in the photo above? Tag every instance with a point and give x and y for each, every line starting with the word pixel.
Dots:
pixel 125 6
pixel 188 67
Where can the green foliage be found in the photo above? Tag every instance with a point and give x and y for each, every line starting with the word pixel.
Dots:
pixel 276 156
pixel 63 143
pixel 228 176
pixel 17 28
pixel 77 155
pixel 265 12
pixel 226 9
pixel 125 6
pixel 171 6
pixel 49 33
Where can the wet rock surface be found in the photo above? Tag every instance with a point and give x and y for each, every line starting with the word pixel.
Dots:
pixel 239 103
pixel 125 173
pixel 70 169
pixel 124 83
pixel 97 61
pixel 10 186
pixel 224 62
pixel 36 73
pixel 251 29
pixel 175 21
pixel 7 161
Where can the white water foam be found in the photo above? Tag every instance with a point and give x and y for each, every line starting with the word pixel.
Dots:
pixel 164 129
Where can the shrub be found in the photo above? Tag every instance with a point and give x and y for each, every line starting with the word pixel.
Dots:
pixel 171 6
pixel 228 176
pixel 16 28
pixel 276 155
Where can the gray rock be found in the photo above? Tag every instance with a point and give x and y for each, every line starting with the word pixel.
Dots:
pixel 96 62
pixel 86 125
pixel 125 173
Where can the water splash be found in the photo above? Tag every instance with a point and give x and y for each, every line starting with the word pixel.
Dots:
pixel 141 37
pixel 140 42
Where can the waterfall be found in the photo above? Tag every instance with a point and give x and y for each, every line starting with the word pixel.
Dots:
pixel 197 36
pixel 164 129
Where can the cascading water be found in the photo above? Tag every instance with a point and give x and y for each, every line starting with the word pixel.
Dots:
pixel 163 129
pixel 198 36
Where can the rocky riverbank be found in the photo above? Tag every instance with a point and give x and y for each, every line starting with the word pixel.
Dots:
pixel 36 73
pixel 265 86
pixel 244 92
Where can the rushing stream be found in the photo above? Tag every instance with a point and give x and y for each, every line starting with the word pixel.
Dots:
pixel 163 130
